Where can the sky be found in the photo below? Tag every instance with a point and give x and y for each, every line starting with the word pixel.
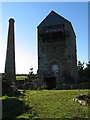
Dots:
pixel 27 16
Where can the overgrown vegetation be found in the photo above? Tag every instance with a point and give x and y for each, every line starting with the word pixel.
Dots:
pixel 44 104
pixel 14 108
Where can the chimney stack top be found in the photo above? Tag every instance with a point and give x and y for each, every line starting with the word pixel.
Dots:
pixel 11 20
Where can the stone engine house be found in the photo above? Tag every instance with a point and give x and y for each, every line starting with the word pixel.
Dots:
pixel 57 60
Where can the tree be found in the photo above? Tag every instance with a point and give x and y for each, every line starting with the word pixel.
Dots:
pixel 80 66
pixel 87 72
pixel 31 77
pixel 84 73
pixel 80 71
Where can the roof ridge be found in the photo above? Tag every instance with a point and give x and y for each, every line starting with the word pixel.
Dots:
pixel 53 12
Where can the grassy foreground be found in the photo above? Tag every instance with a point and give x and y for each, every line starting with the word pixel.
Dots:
pixel 47 104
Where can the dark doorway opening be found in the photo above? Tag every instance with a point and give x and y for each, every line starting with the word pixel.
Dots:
pixel 50 82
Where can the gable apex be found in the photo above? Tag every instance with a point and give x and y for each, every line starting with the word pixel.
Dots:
pixel 53 18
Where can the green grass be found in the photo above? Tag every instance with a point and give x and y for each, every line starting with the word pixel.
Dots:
pixel 21 77
pixel 56 103
pixel 46 104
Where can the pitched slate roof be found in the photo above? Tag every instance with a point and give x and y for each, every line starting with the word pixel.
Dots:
pixel 53 19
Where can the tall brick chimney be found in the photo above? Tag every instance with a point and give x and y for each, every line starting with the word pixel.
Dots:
pixel 10 74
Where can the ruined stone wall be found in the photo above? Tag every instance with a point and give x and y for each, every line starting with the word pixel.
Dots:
pixel 71 52
pixel 61 53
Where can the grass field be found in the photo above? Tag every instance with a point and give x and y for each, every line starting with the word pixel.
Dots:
pixel 21 77
pixel 45 104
